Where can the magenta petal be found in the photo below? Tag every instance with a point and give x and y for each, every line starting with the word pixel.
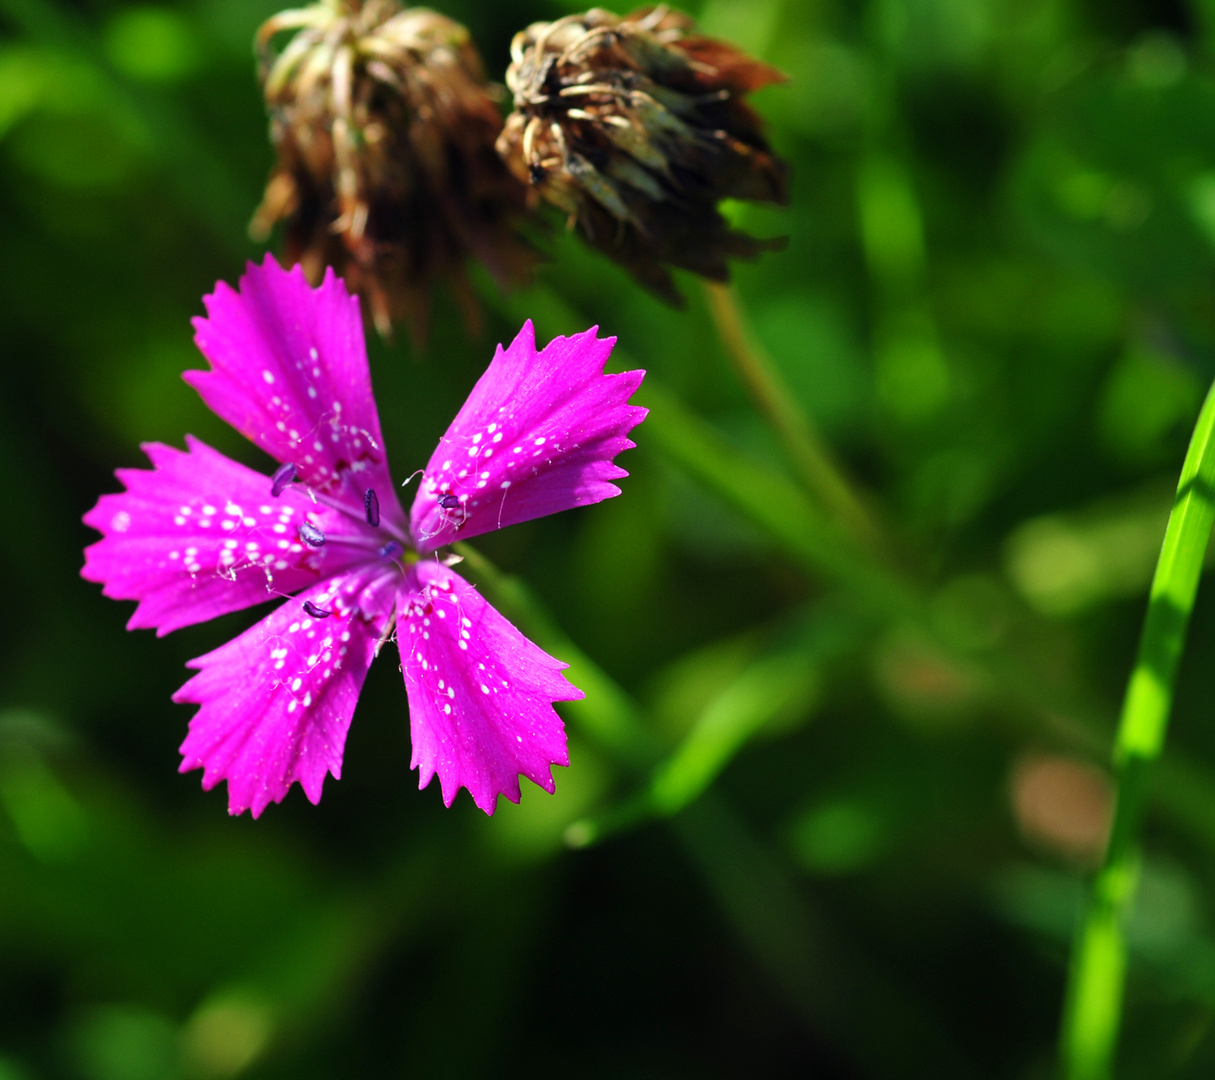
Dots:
pixel 480 694
pixel 289 371
pixel 536 435
pixel 277 701
pixel 199 536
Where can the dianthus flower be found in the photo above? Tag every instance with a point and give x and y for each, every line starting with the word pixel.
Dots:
pixel 200 535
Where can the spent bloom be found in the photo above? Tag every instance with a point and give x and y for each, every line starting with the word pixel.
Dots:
pixel 384 126
pixel 199 535
pixel 636 128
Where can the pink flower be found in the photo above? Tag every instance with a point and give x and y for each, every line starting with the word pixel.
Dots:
pixel 200 535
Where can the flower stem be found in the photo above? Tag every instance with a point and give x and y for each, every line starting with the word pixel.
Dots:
pixel 818 473
pixel 1093 1006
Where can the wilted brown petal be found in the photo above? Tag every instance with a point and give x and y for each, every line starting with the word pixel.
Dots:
pixel 635 127
pixel 384 127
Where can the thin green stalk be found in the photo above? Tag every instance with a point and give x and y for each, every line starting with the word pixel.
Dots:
pixel 820 475
pixel 772 502
pixel 1093 1007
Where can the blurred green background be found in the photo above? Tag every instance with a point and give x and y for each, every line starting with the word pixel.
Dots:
pixel 828 814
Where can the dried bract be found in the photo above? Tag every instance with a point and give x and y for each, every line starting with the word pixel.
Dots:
pixel 636 128
pixel 384 127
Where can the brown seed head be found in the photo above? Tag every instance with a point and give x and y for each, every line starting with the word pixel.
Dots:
pixel 636 128
pixel 384 127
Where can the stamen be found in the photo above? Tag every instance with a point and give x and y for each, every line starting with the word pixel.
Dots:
pixel 316 612
pixel 371 504
pixel 283 476
pixel 391 550
pixel 449 501
pixel 311 535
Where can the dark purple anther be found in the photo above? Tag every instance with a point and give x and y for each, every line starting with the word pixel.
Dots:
pixel 391 550
pixel 316 612
pixel 311 535
pixel 371 503
pixel 282 477
pixel 449 502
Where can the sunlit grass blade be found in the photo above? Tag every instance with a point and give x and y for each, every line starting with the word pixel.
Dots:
pixel 1093 1009
pixel 786 682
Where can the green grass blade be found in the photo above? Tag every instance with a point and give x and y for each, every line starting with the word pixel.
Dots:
pixel 782 683
pixel 786 682
pixel 1094 1003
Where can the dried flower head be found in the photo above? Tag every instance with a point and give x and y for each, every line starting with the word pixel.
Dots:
pixel 384 127
pixel 636 128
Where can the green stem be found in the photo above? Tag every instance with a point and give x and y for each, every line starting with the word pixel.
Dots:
pixel 1094 999
pixel 772 502
pixel 818 473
